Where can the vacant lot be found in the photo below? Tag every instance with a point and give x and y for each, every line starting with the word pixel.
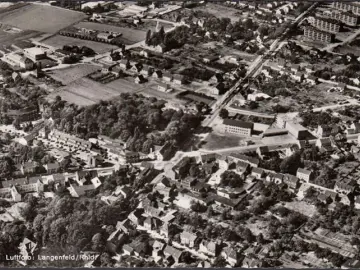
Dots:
pixel 59 41
pixel 67 75
pixel 40 17
pixel 301 207
pixel 129 36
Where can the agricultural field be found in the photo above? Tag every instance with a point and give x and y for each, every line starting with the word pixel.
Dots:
pixel 59 41
pixel 39 17
pixel 68 75
pixel 129 36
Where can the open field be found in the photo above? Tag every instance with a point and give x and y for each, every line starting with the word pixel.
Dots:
pixel 221 11
pixel 59 41
pixel 67 75
pixel 85 91
pixel 215 141
pixel 38 17
pixel 129 36
pixel 9 35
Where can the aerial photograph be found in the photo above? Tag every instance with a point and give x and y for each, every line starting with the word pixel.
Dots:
pixel 172 134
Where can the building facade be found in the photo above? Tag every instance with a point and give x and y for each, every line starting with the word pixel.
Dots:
pixel 348 6
pixel 318 35
pixel 238 127
pixel 326 24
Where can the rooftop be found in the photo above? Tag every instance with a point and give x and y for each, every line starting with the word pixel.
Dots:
pixel 238 123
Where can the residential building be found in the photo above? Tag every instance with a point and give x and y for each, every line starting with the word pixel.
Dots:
pixel 238 127
pixel 304 174
pixel 291 181
pixel 52 167
pixel 351 264
pixel 163 87
pixel 178 79
pixel 18 60
pixel 318 35
pixel 209 247
pixel 326 24
pixel 69 140
pixel 29 167
pixel 258 172
pixel 347 6
pixel 326 131
pixel 230 255
pixel 344 188
pixel 188 239
pixel 172 254
pixel 347 17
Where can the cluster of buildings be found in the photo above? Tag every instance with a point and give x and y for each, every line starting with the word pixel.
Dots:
pixel 323 26
pixel 25 58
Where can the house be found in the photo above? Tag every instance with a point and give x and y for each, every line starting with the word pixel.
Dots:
pixel 262 151
pixel 167 76
pixel 351 264
pixel 124 191
pixel 163 87
pixel 178 79
pixel 304 174
pixel 357 202
pixel 211 58
pixel 128 250
pixel 140 79
pixel 302 190
pixel 209 247
pixel 157 74
pixel 275 177
pixel 172 254
pixel 124 64
pixel 326 131
pixel 29 167
pixel 291 181
pixel 215 79
pixel 52 168
pixel 324 145
pixel 230 255
pixel 146 70
pixel 257 172
pixel 136 68
pixel 136 217
pixel 250 262
pixel 343 188
pixel 188 239
pixel 324 198
pixel 242 166
pixel 356 127
pixel 152 223
pixel 312 80
pixel 158 249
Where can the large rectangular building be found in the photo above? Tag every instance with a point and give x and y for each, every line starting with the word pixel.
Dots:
pixel 348 6
pixel 317 34
pixel 297 130
pixel 347 17
pixel 237 127
pixel 326 24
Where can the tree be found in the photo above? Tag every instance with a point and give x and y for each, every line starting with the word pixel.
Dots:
pixel 148 37
pixel 16 123
pixel 224 113
pixel 291 164
pixel 219 262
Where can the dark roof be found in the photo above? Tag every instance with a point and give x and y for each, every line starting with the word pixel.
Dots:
pixel 238 123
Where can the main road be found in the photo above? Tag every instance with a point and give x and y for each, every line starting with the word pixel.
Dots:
pixel 254 67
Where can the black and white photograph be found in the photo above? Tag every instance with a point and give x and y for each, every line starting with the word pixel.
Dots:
pixel 179 134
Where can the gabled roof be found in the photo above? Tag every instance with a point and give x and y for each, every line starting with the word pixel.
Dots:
pixel 304 171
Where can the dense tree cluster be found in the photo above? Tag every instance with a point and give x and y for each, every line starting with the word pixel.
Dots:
pixel 313 119
pixel 231 179
pixel 132 118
